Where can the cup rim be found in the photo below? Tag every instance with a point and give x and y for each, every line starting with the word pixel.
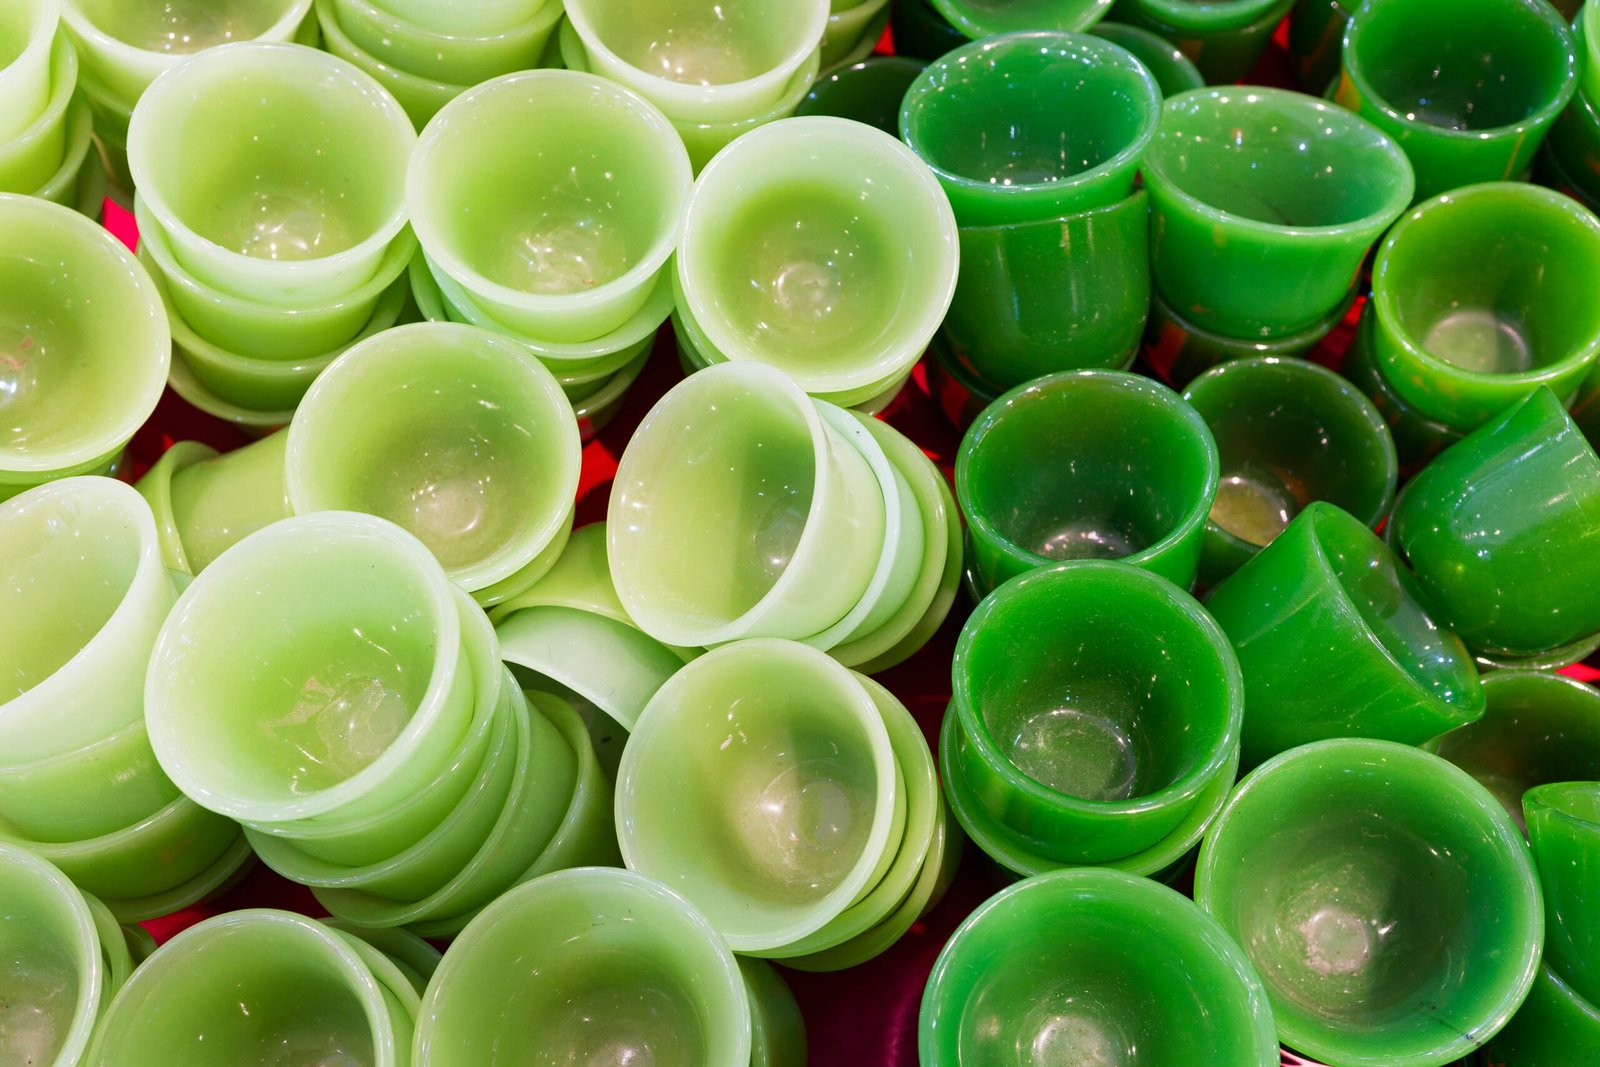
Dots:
pixel 63 86
pixel 1551 798
pixel 87 959
pixel 973 25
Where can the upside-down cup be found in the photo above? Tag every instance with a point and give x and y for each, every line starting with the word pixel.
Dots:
pixel 1469 317
pixel 1092 966
pixel 588 200
pixel 275 170
pixel 33 154
pixel 54 982
pixel 1087 465
pixel 316 666
pixel 869 91
pixel 1070 141
pixel 454 434
pixel 455 55
pixel 593 961
pixel 1265 203
pixel 1288 432
pixel 1554 1027
pixel 1563 822
pixel 1468 89
pixel 729 824
pixel 87 345
pixel 1356 875
pixel 27 31
pixel 1502 529
pixel 1224 39
pixel 1173 71
pixel 737 512
pixel 1328 600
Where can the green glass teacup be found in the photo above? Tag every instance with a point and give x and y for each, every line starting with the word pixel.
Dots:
pixel 32 155
pixel 27 31
pixel 921 31
pixel 420 98
pixel 480 17
pixel 88 792
pixel 1564 829
pixel 612 665
pixel 869 91
pixel 455 54
pixel 1224 39
pixel 1174 72
pixel 777 1030
pixel 1179 351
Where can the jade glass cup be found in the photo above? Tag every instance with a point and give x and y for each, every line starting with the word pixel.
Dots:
pixel 1326 600
pixel 315 667
pixel 1059 294
pixel 986 18
pixel 477 17
pixel 420 98
pixel 1503 530
pixel 1173 71
pixel 719 782
pixel 1555 1027
pixel 870 91
pixel 1087 465
pixel 206 503
pixel 454 56
pixel 84 344
pixel 821 246
pixel 594 964
pixel 1467 87
pixel 27 32
pixel 1470 318
pixel 37 151
pixel 55 975
pixel 1266 202
pixel 452 433
pixel 586 200
pixel 738 512
pixel 1092 966
pixel 1093 737
pixel 1224 39
pixel 1288 432
pixel 1417 438
pixel 921 31
pixel 253 987
pixel 1028 126
pixel 1564 829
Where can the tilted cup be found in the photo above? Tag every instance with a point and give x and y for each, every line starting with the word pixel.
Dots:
pixel 31 157
pixel 1265 203
pixel 206 503
pixel 1563 822
pixel 1070 142
pixel 1357 875
pixel 88 792
pixel 985 18
pixel 53 986
pixel 1225 39
pixel 27 30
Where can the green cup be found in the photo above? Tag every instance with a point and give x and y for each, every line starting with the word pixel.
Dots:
pixel 27 33
pixel 1563 822
pixel 921 31
pixel 205 503
pixel 851 29
pixel 1467 89
pixel 598 963
pixel 80 181
pixel 1092 966
pixel 869 91
pixel 730 824
pixel 1417 438
pixel 1173 71
pixel 454 54
pixel 1265 203
pixel 248 421
pixel 416 959
pixel 777 1030
pixel 1469 320
pixel 1555 1027
pixel 1358 876
pixel 986 18
pixel 1179 351
pixel 1573 144
pixel 420 98
pixel 1501 529
pixel 94 790
pixel 1326 600
pixel 1288 432
pixel 77 385
pixel 1060 294
pixel 1316 41
pixel 54 982
pixel 478 17
pixel 1086 465
pixel 1069 142
pixel 1224 39
pixel 32 155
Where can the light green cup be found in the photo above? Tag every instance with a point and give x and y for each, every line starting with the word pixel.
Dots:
pixel 92 791
pixel 77 384
pixel 454 55
pixel 52 985
pixel 27 28
pixel 276 171
pixel 31 155
pixel 777 1031
pixel 481 17
pixel 205 503
pixel 80 181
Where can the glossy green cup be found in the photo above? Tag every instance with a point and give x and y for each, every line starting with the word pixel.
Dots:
pixel 1173 71
pixel 852 28
pixel 52 987
pixel 1573 146
pixel 1224 39
pixel 1469 320
pixel 32 155
pixel 1179 351
pixel 1092 966
pixel 1326 600
pixel 869 91
pixel 1316 41
pixel 156 488
pixel 1417 438
pixel 27 31
pixel 1468 89
pixel 1555 1027
pixel 1069 142
pixel 596 962
pixel 1564 829
pixel 1288 432
pixel 1087 465
pixel 1358 875
pixel 610 664
pixel 1265 203
pixel 986 18
pixel 480 17
pixel 416 959
pixel 777 1030
pixel 1501 529
pixel 453 55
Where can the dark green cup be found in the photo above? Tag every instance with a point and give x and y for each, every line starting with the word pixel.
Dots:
pixel 1174 72
pixel 1335 640
pixel 1316 39
pixel 1180 351
pixel 922 32
pixel 1088 464
pixel 1224 38
pixel 1288 433
pixel 1417 438
pixel 870 91
pixel 1563 821
pixel 959 396
pixel 1555 1027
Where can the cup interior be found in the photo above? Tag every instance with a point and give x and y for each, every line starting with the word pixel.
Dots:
pixel 695 42
pixel 182 27
pixel 49 986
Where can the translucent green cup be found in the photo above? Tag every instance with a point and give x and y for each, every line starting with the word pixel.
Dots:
pixel 1087 465
pixel 1225 40
pixel 1357 875
pixel 1468 318
pixel 1288 432
pixel 1173 71
pixel 1327 600
pixel 1564 829
pixel 1071 142
pixel 295 708
pixel 978 19
pixel 1090 966
pixel 54 982
pixel 779 536
pixel 92 791
pixel 32 155
pixel 869 91
pixel 1554 1027
pixel 1265 204
pixel 1179 351
pixel 596 962
pixel 454 54
pixel 1098 702
pixel 252 985
pixel 451 432
pixel 1573 144
pixel 276 171
pixel 77 386
pixel 1501 529
pixel 729 824
pixel 1417 69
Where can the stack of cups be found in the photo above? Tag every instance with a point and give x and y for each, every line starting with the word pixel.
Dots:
pixel 1053 237
pixel 558 238
pixel 1225 39
pixel 716 800
pixel 85 593
pixel 822 247
pixel 427 54
pixel 745 508
pixel 358 720
pixel 271 209
pixel 716 70
pixel 46 130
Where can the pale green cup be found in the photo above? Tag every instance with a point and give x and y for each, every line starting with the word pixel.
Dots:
pixel 612 665
pixel 27 28
pixel 453 55
pixel 420 98
pixel 32 155
pixel 51 986
pixel 205 503
pixel 92 791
